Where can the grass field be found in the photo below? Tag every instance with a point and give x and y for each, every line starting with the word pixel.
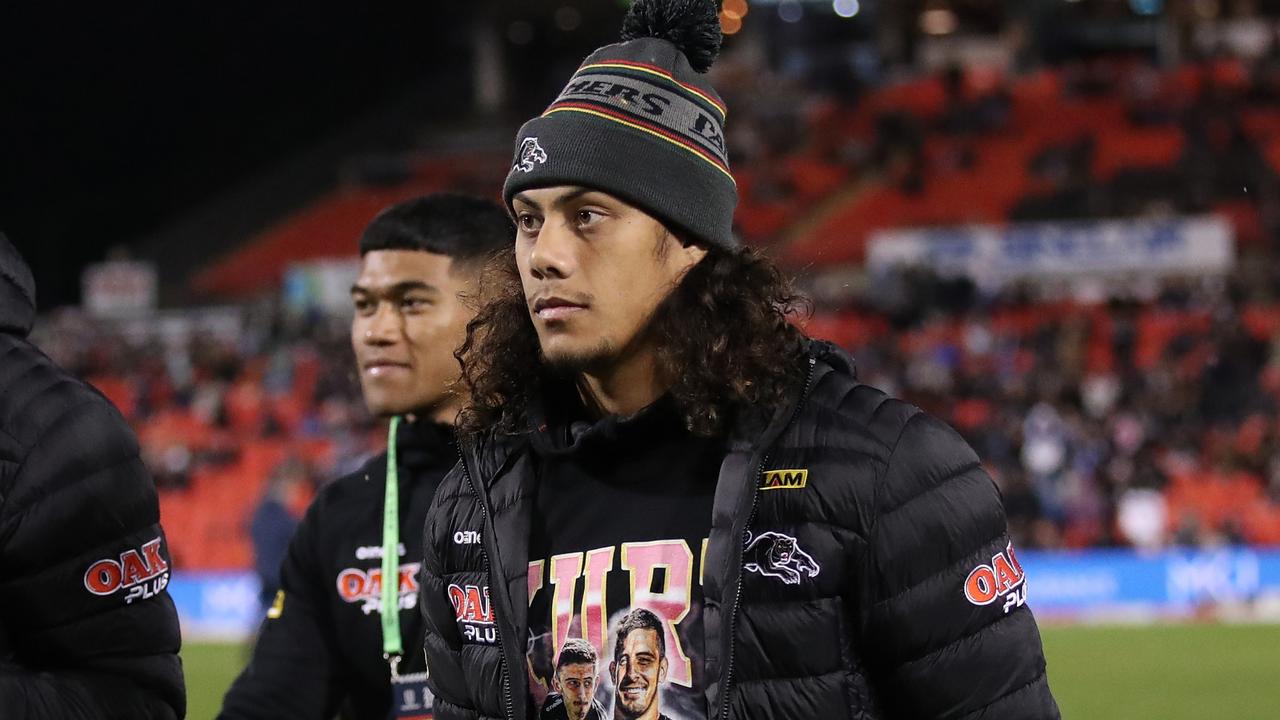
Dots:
pixel 1097 673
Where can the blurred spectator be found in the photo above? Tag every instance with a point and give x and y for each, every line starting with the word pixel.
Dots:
pixel 272 525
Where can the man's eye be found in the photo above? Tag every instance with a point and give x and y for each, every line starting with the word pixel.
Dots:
pixel 586 217
pixel 529 223
pixel 412 303
pixel 362 306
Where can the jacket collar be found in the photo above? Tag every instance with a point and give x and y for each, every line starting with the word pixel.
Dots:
pixel 488 452
pixel 17 291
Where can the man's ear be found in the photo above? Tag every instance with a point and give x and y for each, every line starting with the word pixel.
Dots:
pixel 662 670
pixel 613 671
pixel 687 255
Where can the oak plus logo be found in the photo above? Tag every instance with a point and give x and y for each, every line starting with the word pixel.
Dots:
pixel 143 573
pixel 1003 578
pixel 357 585
pixel 474 613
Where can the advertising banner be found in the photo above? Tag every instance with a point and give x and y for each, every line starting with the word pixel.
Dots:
pixel 1084 585
pixel 993 255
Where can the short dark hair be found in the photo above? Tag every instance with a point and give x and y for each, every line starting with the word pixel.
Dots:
pixel 465 228
pixel 639 619
pixel 576 652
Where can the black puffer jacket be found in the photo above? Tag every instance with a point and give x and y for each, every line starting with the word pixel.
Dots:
pixel 874 580
pixel 87 629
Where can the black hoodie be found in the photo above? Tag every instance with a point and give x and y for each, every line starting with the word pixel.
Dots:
pixel 87 629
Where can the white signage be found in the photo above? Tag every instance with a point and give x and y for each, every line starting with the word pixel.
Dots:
pixel 994 255
pixel 119 288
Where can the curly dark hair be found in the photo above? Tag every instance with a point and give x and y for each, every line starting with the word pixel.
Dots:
pixel 724 340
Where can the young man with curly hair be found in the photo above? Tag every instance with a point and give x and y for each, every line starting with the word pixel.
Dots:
pixel 648 437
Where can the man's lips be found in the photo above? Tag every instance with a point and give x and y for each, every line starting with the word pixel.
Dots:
pixel 556 308
pixel 559 313
pixel 382 367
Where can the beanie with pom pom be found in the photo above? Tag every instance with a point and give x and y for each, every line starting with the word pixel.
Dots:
pixel 639 121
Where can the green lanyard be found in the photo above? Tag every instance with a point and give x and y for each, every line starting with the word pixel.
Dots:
pixel 391 646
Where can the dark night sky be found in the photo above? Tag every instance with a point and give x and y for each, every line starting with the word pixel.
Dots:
pixel 117 117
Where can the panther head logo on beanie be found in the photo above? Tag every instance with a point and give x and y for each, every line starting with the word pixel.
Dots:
pixel 531 153
pixel 640 121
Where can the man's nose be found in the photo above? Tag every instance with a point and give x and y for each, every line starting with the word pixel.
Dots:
pixel 552 254
pixel 384 326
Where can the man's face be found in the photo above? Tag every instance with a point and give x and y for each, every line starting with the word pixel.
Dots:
pixel 637 674
pixel 594 269
pixel 408 321
pixel 576 683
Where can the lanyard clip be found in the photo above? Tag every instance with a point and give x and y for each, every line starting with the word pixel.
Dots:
pixel 393 661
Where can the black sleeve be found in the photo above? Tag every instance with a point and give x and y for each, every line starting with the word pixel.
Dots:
pixel 293 672
pixel 442 643
pixel 90 629
pixel 951 640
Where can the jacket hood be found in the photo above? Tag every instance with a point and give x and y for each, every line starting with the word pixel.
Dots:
pixel 17 291
pixel 838 359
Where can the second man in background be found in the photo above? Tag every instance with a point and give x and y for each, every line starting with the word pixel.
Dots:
pixel 325 648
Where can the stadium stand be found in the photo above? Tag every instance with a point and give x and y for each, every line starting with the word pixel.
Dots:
pixel 1143 422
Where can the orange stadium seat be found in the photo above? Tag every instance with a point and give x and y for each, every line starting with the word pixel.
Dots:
pixel 328 228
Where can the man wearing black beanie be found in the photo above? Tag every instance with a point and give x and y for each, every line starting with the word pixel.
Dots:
pixel 655 461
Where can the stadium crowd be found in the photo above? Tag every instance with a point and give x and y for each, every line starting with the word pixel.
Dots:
pixel 1149 420
pixel 1121 423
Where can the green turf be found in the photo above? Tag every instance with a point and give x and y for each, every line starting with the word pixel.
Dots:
pixel 1169 672
pixel 210 668
pixel 1165 671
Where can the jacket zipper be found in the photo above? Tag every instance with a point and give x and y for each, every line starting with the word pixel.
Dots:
pixel 755 505
pixel 488 569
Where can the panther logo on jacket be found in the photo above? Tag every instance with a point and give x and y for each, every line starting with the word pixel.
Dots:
pixel 531 153
pixel 143 572
pixel 773 554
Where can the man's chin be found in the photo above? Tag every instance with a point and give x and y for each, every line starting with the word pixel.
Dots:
pixel 386 407
pixel 637 709
pixel 574 357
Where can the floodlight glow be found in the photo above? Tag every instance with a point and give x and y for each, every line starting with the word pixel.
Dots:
pixel 790 11
pixel 846 8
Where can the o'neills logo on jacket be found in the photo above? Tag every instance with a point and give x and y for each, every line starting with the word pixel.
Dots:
pixel 142 572
pixel 357 585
